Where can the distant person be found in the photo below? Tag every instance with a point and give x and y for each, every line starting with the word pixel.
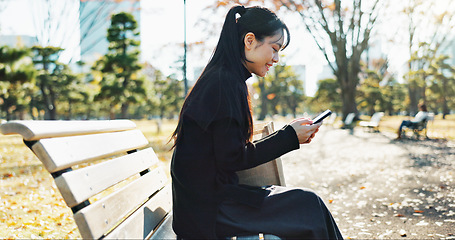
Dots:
pixel 212 141
pixel 419 117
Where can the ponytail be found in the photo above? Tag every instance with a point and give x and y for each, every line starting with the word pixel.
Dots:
pixel 227 49
pixel 229 54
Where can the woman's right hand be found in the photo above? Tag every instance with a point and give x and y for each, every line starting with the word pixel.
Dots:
pixel 304 129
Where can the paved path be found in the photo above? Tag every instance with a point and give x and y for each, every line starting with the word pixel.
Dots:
pixel 379 188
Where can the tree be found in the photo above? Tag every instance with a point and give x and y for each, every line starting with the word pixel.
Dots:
pixel 121 83
pixel 341 29
pixel 328 96
pixel 293 93
pixel 369 92
pixel 280 91
pixel 428 29
pixel 72 91
pixel 45 60
pixel 16 80
pixel 170 100
pixel 393 98
pixel 442 85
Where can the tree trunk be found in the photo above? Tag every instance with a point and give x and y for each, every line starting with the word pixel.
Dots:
pixel 413 98
pixel 348 80
pixel 264 111
pixel 349 104
pixel 445 108
pixel 70 110
pixel 125 110
pixel 52 107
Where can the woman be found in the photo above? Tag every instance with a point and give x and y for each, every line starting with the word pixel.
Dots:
pixel 419 117
pixel 212 142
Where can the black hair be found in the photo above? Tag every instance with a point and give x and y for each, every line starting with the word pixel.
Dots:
pixel 230 54
pixel 422 107
pixel 230 48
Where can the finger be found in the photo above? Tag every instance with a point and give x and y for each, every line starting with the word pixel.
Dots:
pixel 306 122
pixel 302 120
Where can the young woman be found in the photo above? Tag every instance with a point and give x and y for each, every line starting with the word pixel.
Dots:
pixel 212 142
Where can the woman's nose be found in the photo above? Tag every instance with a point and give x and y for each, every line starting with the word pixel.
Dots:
pixel 275 58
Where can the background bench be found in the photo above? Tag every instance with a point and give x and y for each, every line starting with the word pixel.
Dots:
pixel 373 124
pixel 110 178
pixel 421 128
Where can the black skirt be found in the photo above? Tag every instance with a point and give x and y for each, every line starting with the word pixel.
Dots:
pixel 286 212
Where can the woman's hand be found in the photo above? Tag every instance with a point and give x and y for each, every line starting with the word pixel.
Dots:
pixel 305 131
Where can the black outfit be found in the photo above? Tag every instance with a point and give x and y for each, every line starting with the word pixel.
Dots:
pixel 211 148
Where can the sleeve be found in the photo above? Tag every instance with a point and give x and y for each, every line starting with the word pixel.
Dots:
pixel 420 116
pixel 233 153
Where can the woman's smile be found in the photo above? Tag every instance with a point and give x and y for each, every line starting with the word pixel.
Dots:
pixel 264 53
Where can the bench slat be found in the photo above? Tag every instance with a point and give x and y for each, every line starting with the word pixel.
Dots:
pixel 164 230
pixel 98 218
pixel 38 129
pixel 142 222
pixel 60 153
pixel 79 185
pixel 270 173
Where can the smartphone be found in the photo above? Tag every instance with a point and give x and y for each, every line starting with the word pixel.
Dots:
pixel 321 116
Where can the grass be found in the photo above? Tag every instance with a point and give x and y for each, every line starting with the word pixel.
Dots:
pixel 32 207
pixel 30 203
pixel 438 128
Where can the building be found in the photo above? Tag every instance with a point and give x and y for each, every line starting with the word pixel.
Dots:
pixel 18 40
pixel 94 21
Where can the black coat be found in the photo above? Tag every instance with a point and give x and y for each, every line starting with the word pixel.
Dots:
pixel 211 148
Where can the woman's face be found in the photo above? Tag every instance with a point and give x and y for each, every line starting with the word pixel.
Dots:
pixel 261 55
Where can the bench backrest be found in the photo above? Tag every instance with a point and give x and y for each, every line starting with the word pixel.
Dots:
pixel 331 119
pixel 423 124
pixel 376 117
pixel 111 193
pixel 349 118
pixel 111 179
pixel 270 173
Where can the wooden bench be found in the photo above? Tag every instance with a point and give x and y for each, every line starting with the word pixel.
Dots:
pixel 110 177
pixel 349 122
pixel 421 128
pixel 373 124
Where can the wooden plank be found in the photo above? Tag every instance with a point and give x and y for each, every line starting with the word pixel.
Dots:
pixel 164 230
pixel 270 173
pixel 79 185
pixel 60 153
pixel 98 218
pixel 38 129
pixel 142 222
pixel 258 129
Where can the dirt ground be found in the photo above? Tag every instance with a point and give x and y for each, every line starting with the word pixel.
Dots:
pixel 377 187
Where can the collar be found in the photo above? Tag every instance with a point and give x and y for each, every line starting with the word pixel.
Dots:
pixel 245 73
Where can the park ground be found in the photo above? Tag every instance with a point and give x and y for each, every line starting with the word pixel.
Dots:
pixel 376 187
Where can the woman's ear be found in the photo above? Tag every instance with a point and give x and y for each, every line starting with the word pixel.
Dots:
pixel 249 40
